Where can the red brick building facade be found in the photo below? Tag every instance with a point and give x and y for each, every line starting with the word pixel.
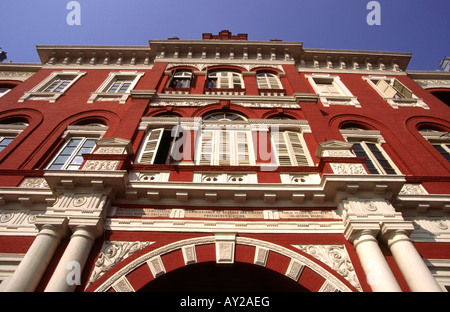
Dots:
pixel 225 164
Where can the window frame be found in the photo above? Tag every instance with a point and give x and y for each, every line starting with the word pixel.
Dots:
pixel 414 101
pixel 290 148
pixel 345 97
pixel 103 94
pixel 11 131
pixel 267 80
pixel 88 132
pixel 437 138
pixel 228 77
pixel 365 137
pixel 189 78
pixel 40 92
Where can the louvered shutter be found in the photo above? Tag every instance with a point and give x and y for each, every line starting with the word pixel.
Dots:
pixel 206 148
pixel 297 149
pixel 242 148
pixel 386 88
pixel 281 149
pixel 151 146
pixel 402 89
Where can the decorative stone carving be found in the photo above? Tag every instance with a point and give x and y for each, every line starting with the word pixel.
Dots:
pixel 261 255
pixel 336 257
pixel 189 254
pixel 342 168
pixel 34 183
pixel 294 270
pixel 123 285
pixel 412 189
pixel 100 165
pixel 156 266
pixel 112 253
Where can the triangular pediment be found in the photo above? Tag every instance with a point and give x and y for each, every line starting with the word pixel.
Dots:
pixel 115 142
pixel 334 145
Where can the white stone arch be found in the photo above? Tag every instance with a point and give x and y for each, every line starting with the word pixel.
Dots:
pixel 118 281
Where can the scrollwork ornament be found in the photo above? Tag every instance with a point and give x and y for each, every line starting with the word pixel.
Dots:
pixel 6 217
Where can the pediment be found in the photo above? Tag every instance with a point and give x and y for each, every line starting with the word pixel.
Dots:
pixel 334 145
pixel 115 142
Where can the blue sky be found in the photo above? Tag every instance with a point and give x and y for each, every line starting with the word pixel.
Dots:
pixel 417 26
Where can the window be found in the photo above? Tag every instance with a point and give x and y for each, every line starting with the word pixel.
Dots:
pixel 9 131
pixel 58 84
pixel 268 81
pixel 327 87
pixel 4 141
pixel 79 140
pixel 395 92
pixel 288 148
pixel 117 87
pixel 4 90
pixel 53 86
pixel 440 140
pixel 181 79
pixel 120 85
pixel 70 156
pixel 156 147
pixel 392 88
pixel 225 80
pixel 367 143
pixel 332 91
pixel 376 162
pixel 222 147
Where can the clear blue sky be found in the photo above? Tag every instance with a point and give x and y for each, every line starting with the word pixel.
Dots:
pixel 421 27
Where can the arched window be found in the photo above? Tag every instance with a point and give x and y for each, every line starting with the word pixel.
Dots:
pixel 225 80
pixel 181 79
pixel 10 129
pixel 439 139
pixel 268 81
pixel 219 116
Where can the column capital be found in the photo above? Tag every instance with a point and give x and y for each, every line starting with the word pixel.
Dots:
pixel 92 227
pixel 52 225
pixel 357 232
pixel 392 232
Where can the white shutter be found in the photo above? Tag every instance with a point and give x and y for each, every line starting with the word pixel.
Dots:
pixel 206 148
pixel 281 149
pixel 297 149
pixel 151 146
pixel 225 145
pixel 386 88
pixel 242 148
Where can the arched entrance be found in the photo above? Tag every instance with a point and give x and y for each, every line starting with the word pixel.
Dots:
pixel 210 276
pixel 221 262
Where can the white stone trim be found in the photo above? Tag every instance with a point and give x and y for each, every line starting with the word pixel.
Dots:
pixel 37 94
pixel 102 93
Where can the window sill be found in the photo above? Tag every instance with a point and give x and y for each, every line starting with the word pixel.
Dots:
pixel 340 100
pixel 41 96
pixel 106 96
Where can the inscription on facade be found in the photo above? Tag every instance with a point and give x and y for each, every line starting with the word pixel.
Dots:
pixel 222 214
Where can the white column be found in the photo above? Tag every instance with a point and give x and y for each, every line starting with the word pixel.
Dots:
pixel 69 269
pixel 32 267
pixel 379 275
pixel 414 270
